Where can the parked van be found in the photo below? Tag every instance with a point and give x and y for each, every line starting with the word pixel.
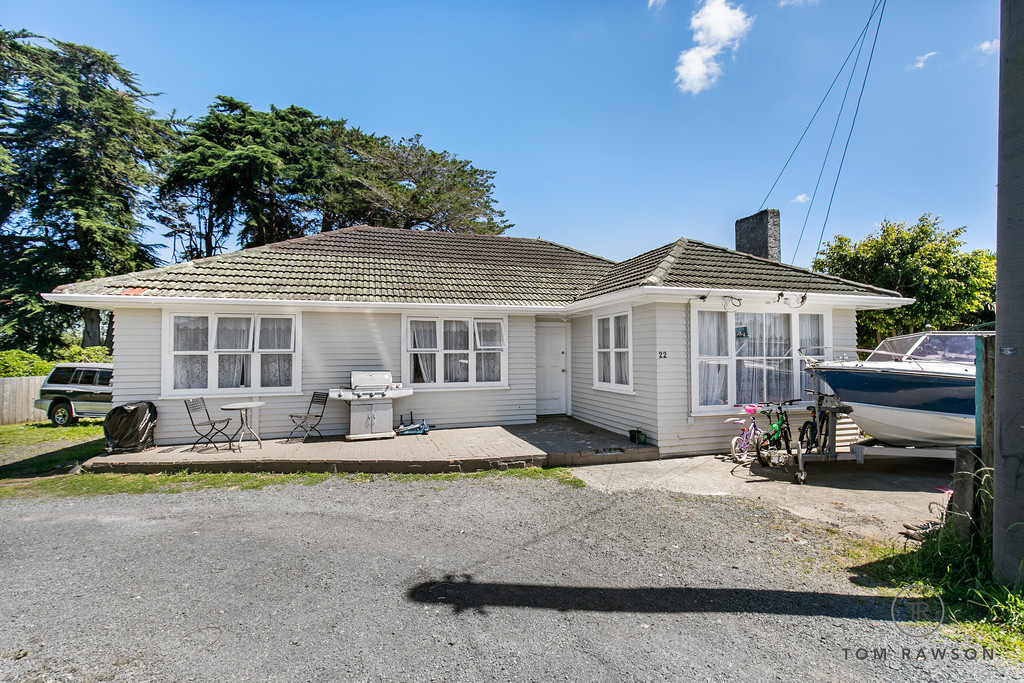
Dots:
pixel 74 390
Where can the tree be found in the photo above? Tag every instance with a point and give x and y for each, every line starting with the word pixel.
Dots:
pixel 952 288
pixel 415 187
pixel 77 152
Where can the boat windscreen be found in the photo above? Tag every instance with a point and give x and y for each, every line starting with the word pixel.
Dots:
pixel 894 348
pixel 957 348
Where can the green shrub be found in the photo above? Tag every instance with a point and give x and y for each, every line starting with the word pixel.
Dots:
pixel 17 363
pixel 76 354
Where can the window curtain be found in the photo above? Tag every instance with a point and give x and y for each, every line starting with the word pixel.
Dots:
pixel 275 369
pixel 488 367
pixel 275 335
pixel 234 370
pixel 812 338
pixel 489 336
pixel 456 365
pixel 778 335
pixel 622 331
pixel 191 333
pixel 749 380
pixel 604 367
pixel 423 368
pixel 456 335
pixel 604 335
pixel 423 335
pixel 233 334
pixel 713 361
pixel 779 380
pixel 750 335
pixel 190 372
pixel 622 367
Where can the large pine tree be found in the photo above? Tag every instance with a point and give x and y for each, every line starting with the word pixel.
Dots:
pixel 77 151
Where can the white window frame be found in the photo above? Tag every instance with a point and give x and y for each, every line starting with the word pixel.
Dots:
pixel 731 405
pixel 439 352
pixel 211 390
pixel 610 316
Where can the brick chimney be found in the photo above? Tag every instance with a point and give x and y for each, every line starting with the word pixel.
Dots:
pixel 759 235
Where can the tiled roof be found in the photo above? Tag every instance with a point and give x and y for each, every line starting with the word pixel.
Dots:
pixel 388 265
pixel 372 264
pixel 697 265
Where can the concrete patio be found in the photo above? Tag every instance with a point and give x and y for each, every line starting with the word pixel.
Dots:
pixel 548 443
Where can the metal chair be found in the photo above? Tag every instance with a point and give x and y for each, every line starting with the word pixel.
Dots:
pixel 204 426
pixel 309 420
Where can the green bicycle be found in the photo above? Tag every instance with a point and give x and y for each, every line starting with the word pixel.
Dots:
pixel 776 436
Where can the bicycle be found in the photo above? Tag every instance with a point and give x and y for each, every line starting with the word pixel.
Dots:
pixel 814 433
pixel 741 445
pixel 777 435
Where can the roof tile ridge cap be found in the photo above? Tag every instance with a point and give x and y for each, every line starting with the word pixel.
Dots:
pixel 801 269
pixel 657 276
pixel 567 248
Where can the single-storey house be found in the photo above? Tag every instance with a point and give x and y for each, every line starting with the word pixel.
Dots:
pixel 487 330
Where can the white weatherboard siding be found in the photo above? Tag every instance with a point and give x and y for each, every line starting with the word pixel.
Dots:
pixel 333 345
pixel 844 335
pixel 612 410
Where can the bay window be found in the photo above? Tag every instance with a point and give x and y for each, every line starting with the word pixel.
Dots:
pixel 751 357
pixel 231 353
pixel 455 351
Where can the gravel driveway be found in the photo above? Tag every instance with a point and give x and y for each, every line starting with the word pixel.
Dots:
pixel 347 581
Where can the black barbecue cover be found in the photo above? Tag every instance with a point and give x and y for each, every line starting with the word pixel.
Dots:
pixel 129 427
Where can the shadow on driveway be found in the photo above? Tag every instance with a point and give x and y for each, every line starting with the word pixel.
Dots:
pixel 462 593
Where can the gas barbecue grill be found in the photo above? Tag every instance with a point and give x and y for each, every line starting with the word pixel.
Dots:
pixel 370 400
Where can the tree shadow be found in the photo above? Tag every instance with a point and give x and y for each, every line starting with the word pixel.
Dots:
pixel 53 462
pixel 463 593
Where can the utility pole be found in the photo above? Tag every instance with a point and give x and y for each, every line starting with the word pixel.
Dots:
pixel 1008 475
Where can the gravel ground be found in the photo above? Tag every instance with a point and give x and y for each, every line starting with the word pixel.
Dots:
pixel 347 581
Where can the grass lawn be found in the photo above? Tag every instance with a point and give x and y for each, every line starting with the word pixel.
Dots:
pixel 37 448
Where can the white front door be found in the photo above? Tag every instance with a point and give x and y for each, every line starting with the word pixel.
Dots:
pixel 552 368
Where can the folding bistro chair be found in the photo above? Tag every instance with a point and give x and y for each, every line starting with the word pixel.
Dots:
pixel 309 420
pixel 204 426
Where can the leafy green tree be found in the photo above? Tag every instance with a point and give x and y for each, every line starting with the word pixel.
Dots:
pixel 415 187
pixel 78 147
pixel 18 363
pixel 953 288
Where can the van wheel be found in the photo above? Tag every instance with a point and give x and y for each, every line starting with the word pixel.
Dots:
pixel 61 415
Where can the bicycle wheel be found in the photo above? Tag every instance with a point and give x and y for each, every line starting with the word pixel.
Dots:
pixel 764 449
pixel 824 446
pixel 807 437
pixel 739 453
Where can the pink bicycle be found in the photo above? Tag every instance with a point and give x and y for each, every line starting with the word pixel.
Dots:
pixel 744 446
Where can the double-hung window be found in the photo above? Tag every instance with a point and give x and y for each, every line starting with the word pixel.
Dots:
pixel 230 353
pixel 612 357
pixel 456 351
pixel 751 357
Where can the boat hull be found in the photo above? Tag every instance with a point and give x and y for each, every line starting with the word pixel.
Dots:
pixel 905 427
pixel 906 407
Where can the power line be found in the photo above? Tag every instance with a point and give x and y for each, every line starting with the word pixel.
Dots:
pixel 839 73
pixel 828 150
pixel 867 70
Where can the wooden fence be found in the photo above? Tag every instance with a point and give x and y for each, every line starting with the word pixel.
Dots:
pixel 17 395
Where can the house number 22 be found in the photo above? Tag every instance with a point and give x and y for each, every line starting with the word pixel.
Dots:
pixel 662 354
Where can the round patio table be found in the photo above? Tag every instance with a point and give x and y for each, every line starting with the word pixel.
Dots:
pixel 243 416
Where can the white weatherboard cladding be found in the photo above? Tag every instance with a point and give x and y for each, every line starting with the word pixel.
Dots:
pixel 614 410
pixel 333 344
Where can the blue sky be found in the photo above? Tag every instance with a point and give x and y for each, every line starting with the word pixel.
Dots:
pixel 598 141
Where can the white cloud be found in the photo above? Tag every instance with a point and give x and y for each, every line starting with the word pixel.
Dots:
pixel 919 62
pixel 717 27
pixel 800 199
pixel 657 4
pixel 989 47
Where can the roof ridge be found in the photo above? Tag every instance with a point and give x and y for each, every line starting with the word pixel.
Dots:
pixel 800 268
pixel 657 276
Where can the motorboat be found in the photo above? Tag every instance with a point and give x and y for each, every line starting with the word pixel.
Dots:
pixel 913 390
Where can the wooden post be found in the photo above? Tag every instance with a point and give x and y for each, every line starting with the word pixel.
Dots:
pixel 1008 472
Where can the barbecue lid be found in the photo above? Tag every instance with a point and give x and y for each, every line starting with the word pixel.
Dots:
pixel 379 378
